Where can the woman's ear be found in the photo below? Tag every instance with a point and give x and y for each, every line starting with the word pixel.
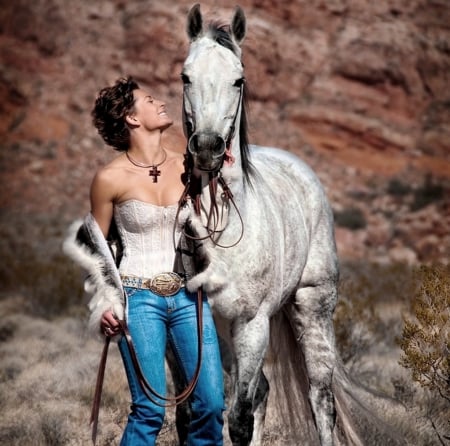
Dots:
pixel 131 120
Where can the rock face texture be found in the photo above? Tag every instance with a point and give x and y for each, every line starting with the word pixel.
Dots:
pixel 360 90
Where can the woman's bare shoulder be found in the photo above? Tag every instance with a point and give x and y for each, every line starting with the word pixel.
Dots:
pixel 110 172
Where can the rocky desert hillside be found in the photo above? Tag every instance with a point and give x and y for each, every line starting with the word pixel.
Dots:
pixel 358 89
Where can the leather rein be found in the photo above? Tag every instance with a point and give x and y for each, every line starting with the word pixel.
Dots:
pixel 151 394
pixel 214 213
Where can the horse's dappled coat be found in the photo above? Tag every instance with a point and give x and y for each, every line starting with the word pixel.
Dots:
pixel 279 283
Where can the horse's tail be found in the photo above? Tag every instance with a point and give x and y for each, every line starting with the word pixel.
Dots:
pixel 365 416
pixel 360 413
pixel 289 383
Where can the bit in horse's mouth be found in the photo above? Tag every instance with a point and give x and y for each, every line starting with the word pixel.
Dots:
pixel 212 167
pixel 229 159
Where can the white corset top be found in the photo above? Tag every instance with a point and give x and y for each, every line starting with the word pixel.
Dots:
pixel 146 232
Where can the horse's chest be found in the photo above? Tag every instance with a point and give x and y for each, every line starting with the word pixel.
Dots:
pixel 237 287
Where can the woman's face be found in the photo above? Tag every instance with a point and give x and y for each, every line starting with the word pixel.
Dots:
pixel 150 112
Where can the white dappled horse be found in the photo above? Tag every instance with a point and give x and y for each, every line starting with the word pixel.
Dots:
pixel 262 231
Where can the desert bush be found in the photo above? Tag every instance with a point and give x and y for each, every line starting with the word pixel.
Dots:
pixel 354 328
pixel 54 429
pixel 34 266
pixel 351 218
pixel 429 192
pixel 397 188
pixel 425 342
pixel 425 339
pixel 368 324
pixel 363 288
pixel 51 285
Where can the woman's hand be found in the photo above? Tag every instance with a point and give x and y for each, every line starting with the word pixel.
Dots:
pixel 109 324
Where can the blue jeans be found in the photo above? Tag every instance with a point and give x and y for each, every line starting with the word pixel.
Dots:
pixel 152 321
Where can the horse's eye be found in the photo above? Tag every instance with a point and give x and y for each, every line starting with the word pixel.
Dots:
pixel 239 82
pixel 185 79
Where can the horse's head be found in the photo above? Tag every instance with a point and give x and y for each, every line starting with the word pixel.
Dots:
pixel 213 90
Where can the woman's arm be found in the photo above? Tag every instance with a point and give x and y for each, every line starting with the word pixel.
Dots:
pixel 102 199
pixel 102 207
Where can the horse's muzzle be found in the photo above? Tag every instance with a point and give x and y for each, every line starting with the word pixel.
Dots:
pixel 207 149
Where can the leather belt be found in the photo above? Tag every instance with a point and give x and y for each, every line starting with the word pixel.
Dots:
pixel 162 284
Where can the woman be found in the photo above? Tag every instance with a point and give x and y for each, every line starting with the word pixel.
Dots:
pixel 138 193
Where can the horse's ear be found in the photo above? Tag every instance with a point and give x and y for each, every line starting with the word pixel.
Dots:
pixel 194 22
pixel 238 25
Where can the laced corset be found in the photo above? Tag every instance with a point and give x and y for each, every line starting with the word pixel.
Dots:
pixel 146 232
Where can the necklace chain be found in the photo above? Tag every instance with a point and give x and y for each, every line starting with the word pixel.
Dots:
pixel 154 171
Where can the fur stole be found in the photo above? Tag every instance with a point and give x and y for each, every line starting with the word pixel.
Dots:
pixel 86 246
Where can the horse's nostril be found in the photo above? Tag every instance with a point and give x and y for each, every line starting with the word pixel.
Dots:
pixel 193 144
pixel 206 142
pixel 219 146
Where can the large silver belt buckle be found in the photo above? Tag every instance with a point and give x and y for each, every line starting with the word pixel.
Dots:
pixel 165 284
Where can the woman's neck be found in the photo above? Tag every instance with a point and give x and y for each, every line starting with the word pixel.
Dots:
pixel 147 150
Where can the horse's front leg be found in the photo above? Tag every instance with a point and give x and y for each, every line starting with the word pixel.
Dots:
pixel 312 319
pixel 248 406
pixel 259 410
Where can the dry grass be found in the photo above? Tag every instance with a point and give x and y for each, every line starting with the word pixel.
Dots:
pixel 46 381
pixel 47 375
pixel 48 369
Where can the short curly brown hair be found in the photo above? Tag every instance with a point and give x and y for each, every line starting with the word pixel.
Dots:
pixel 111 107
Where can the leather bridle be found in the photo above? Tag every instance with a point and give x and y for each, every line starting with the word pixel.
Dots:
pixel 190 129
pixel 193 191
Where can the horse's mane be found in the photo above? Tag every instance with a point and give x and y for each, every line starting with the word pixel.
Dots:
pixel 220 33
